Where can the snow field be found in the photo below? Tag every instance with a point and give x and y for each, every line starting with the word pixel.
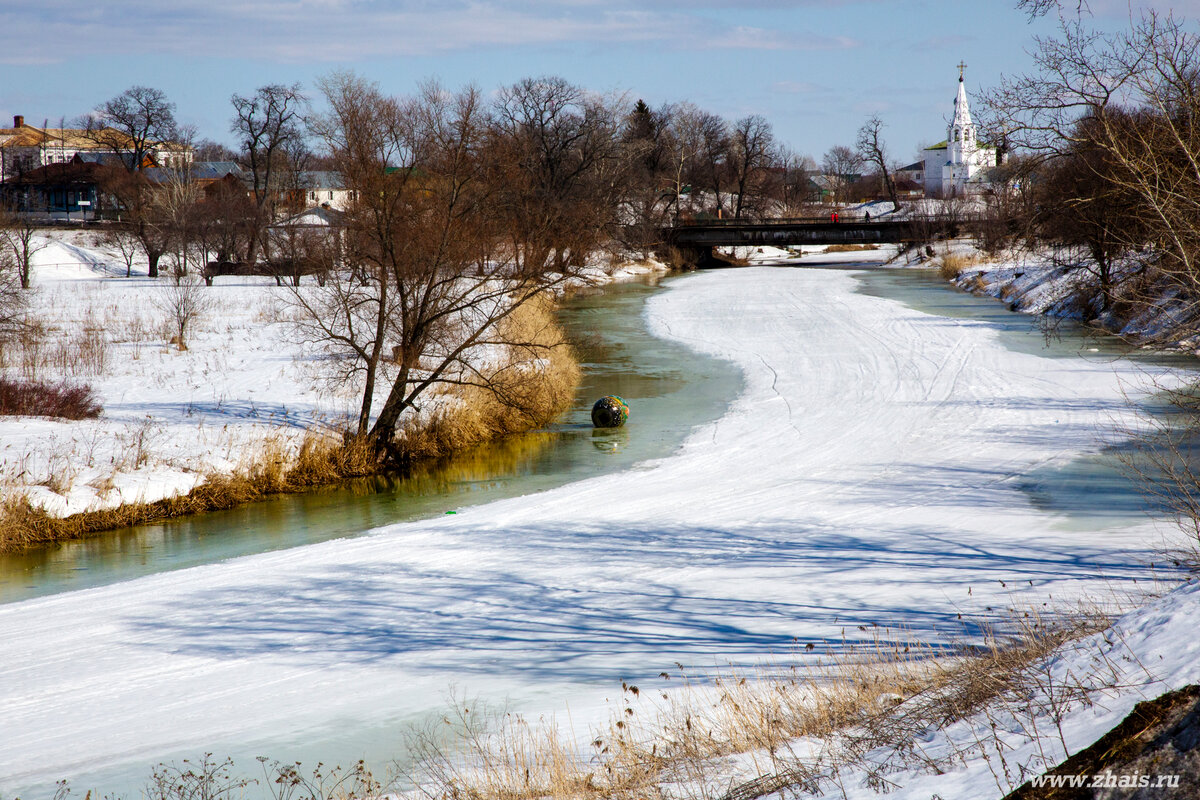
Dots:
pixel 869 474
pixel 170 417
pixel 246 383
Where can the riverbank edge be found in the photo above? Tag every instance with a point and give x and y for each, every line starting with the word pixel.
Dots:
pixel 323 460
pixel 1036 283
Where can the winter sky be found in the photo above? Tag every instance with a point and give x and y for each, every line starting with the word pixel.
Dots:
pixel 815 68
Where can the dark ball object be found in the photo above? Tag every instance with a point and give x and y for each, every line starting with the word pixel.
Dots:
pixel 610 412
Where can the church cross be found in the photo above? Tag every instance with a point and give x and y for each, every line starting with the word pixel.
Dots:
pixel 961 67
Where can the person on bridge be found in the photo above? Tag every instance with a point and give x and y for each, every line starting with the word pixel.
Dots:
pixel 833 217
pixel 867 217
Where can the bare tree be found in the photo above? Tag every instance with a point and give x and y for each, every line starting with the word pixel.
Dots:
pixel 223 220
pixel 139 211
pixel 298 250
pixel 432 273
pixel 13 300
pixel 751 153
pixel 173 205
pixel 1083 203
pixel 1134 98
pixel 1040 8
pixel 795 189
pixel 711 166
pixel 20 239
pixel 183 301
pixel 267 125
pixel 873 150
pixel 133 124
pixel 208 150
pixel 689 130
pixel 647 138
pixel 124 242
pixel 560 153
pixel 842 166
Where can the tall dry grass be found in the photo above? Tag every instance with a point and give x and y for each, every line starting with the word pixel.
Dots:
pixel 850 248
pixel 952 265
pixel 76 352
pixel 321 459
pixel 866 711
pixel 535 383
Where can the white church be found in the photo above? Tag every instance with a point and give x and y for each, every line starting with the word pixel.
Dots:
pixel 958 166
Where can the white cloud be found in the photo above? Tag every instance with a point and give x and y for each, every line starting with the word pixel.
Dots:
pixel 340 30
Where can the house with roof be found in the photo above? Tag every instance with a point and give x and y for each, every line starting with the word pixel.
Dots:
pixel 76 189
pixel 26 147
pixel 58 190
pixel 323 188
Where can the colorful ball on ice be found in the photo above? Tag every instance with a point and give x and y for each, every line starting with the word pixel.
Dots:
pixel 610 412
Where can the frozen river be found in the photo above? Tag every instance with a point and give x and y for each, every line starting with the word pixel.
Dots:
pixel 882 465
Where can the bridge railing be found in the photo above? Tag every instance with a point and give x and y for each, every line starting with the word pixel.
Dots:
pixel 936 219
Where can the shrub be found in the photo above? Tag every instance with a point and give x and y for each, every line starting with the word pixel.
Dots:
pixel 850 248
pixel 39 399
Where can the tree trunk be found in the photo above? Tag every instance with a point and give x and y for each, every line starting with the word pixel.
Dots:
pixel 25 270
pixel 891 188
pixel 384 429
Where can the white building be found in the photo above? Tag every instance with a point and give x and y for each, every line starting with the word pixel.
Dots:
pixel 959 165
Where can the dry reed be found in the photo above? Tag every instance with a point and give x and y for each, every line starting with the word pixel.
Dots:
pixel 954 264
pixel 850 248
pixel 799 729
pixel 535 383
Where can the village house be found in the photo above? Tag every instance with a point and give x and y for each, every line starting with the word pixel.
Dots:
pixel 24 148
pixel 75 189
pixel 323 188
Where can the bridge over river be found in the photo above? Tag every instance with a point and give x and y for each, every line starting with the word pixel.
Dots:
pixel 697 238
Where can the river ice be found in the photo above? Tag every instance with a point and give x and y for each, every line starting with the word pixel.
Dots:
pixel 869 474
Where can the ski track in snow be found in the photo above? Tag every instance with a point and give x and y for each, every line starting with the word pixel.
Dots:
pixel 864 476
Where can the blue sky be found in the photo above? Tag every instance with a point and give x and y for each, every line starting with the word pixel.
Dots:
pixel 816 70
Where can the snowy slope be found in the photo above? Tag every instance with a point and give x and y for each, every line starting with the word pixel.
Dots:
pixel 1149 651
pixel 868 474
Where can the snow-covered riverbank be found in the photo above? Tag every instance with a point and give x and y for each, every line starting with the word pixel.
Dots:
pixel 246 388
pixel 1069 288
pixel 869 474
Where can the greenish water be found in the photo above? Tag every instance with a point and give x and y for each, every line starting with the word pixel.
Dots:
pixel 670 389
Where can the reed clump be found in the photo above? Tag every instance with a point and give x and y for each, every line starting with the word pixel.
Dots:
pixel 321 459
pixel 954 264
pixel 850 248
pixel 534 382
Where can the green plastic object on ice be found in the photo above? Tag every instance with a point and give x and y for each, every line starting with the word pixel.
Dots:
pixel 610 412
